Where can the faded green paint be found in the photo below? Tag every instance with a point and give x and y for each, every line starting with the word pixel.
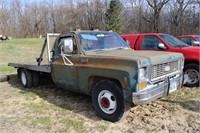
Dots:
pixel 76 76
pixel 121 65
pixel 64 75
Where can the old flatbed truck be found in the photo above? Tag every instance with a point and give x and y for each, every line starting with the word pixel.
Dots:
pixel 101 64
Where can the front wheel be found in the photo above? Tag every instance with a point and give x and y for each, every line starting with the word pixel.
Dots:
pixel 192 70
pixel 108 101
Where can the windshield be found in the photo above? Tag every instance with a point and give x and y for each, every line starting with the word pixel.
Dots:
pixel 173 41
pixel 198 38
pixel 101 41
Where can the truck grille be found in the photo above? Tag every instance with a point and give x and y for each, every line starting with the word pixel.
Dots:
pixel 160 70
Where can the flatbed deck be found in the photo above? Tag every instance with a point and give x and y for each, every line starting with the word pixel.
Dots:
pixel 43 67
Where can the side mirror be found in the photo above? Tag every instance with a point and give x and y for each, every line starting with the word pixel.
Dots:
pixel 195 43
pixel 127 41
pixel 68 46
pixel 162 46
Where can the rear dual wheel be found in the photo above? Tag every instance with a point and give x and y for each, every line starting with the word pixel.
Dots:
pixel 28 78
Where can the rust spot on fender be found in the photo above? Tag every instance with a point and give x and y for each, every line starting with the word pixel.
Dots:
pixel 125 82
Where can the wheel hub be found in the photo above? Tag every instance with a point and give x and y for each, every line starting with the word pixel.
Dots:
pixel 23 77
pixel 193 76
pixel 107 102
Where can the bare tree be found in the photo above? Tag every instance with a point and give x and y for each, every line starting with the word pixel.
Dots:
pixel 156 6
pixel 38 15
pixel 91 14
pixel 175 17
pixel 5 17
pixel 133 16
pixel 31 19
pixel 191 18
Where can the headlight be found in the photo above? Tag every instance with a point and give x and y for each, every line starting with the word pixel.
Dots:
pixel 181 63
pixel 142 78
pixel 143 73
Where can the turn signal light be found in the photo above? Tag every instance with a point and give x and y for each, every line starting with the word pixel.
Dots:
pixel 142 86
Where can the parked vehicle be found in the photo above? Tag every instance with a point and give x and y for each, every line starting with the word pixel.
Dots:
pixel 192 40
pixel 168 43
pixel 101 64
pixel 3 38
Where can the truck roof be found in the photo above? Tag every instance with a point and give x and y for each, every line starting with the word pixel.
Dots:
pixel 187 36
pixel 79 31
pixel 142 34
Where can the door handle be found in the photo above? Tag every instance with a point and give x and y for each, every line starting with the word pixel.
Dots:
pixel 84 60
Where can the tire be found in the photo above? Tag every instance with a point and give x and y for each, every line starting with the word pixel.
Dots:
pixel 193 75
pixel 35 78
pixel 26 78
pixel 19 73
pixel 108 101
pixel 3 78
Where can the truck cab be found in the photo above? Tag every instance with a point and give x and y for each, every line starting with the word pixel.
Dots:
pixel 102 65
pixel 167 43
pixel 192 40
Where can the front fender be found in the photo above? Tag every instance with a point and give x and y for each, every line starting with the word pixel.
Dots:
pixel 88 77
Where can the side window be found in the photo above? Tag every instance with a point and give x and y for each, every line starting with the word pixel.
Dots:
pixel 60 45
pixel 187 40
pixel 150 42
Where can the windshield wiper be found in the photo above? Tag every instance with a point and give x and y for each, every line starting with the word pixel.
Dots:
pixel 107 49
pixel 98 50
pixel 120 48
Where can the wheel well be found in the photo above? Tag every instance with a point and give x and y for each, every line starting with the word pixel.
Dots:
pixel 192 62
pixel 18 72
pixel 95 79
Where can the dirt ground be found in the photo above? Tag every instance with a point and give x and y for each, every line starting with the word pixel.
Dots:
pixel 48 108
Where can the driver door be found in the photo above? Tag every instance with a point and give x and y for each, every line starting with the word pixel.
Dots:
pixel 150 43
pixel 64 72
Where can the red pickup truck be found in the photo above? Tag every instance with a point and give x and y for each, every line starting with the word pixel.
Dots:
pixel 168 43
pixel 192 40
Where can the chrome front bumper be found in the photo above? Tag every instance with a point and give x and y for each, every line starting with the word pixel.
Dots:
pixel 156 91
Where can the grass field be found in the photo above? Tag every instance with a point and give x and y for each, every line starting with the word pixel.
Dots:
pixel 48 108
pixel 18 50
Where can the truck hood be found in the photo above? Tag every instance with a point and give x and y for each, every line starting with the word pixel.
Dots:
pixel 190 48
pixel 190 53
pixel 145 57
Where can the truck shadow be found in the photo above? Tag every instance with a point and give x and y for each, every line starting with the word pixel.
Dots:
pixel 68 100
